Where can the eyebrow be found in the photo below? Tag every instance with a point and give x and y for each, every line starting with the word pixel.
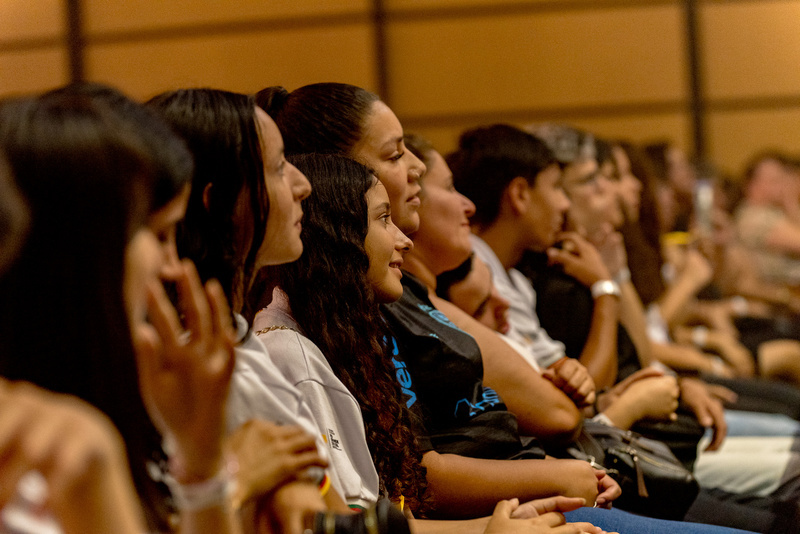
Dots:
pixel 482 306
pixel 384 206
pixel 395 141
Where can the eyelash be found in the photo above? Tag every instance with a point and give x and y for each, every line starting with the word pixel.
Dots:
pixel 397 157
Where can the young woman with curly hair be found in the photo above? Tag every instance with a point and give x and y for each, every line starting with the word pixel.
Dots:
pixel 324 326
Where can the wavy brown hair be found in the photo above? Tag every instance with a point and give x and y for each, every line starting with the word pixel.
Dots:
pixel 333 303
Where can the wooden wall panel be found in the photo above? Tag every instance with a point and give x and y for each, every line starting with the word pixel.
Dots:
pixel 735 136
pixel 433 4
pixel 751 48
pixel 673 126
pixel 246 62
pixel 31 19
pixel 537 61
pixel 32 71
pixel 116 15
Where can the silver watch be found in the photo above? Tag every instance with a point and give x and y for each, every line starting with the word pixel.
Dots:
pixel 605 287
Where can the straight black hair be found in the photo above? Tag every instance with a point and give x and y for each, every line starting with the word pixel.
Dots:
pixel 220 129
pixel 86 179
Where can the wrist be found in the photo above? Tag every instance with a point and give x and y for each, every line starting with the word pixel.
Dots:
pixel 605 287
pixel 212 491
pixel 623 276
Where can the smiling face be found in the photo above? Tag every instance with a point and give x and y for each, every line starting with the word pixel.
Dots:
pixel 444 231
pixel 385 245
pixel 477 295
pixel 381 149
pixel 286 187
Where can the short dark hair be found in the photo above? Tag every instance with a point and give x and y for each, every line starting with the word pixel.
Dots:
pixel 488 159
pixel 448 279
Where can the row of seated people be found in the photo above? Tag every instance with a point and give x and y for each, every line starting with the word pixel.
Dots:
pixel 209 289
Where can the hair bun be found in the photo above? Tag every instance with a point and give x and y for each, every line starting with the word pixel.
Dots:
pixel 272 99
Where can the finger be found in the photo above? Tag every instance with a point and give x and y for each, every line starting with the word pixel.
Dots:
pixel 504 508
pixel 220 310
pixel 552 519
pixel 648 372
pixel 720 426
pixel 585 527
pixel 724 394
pixel 558 504
pixel 302 461
pixel 193 301
pixel 300 443
pixel 162 314
pixel 586 391
pixel 147 346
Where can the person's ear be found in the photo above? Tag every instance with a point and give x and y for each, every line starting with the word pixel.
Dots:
pixel 518 195
pixel 207 196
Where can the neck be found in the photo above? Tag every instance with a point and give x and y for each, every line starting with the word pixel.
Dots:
pixel 417 266
pixel 503 239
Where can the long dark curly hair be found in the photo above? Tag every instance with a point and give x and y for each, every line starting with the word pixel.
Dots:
pixel 335 306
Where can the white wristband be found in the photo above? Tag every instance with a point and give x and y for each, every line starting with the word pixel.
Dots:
pixel 215 491
pixel 605 287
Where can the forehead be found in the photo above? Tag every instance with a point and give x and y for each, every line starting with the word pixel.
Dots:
pixel 381 126
pixel 376 195
pixel 437 170
pixel 579 169
pixel 268 134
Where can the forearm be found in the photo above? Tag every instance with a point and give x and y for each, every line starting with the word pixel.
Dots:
pixel 542 409
pixel 219 519
pixel 599 354
pixel 469 487
pixel 623 413
pixel 632 317
pixel 682 357
pixel 676 298
pixel 464 526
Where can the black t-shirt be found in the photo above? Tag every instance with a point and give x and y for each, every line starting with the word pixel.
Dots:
pixel 445 381
pixel 565 307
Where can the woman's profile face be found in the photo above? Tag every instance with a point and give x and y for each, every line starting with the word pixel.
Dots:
pixel 384 244
pixel 630 188
pixel 286 187
pixel 381 148
pixel 444 231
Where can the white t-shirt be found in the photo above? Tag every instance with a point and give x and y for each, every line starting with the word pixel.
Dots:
pixel 334 408
pixel 518 291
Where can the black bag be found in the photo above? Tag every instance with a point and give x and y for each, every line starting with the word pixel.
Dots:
pixel 654 483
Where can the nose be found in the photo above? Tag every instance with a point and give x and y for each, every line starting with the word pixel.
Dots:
pixel 401 241
pixel 416 168
pixel 301 187
pixel 469 206
pixel 562 201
